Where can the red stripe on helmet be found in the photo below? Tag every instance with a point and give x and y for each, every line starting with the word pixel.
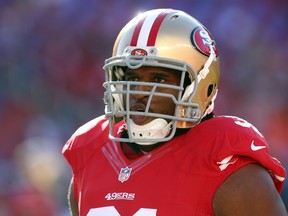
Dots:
pixel 136 32
pixel 155 27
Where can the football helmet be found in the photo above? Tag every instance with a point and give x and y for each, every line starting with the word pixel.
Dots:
pixel 163 38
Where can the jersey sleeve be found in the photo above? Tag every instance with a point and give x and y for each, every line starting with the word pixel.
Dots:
pixel 240 143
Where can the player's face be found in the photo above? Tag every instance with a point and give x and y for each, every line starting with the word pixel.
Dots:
pixel 162 105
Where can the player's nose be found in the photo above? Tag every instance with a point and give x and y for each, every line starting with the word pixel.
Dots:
pixel 140 91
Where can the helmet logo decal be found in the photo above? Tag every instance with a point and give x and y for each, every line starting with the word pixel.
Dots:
pixel 147 28
pixel 202 40
pixel 139 52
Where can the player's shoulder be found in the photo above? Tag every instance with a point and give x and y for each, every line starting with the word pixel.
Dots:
pixel 85 140
pixel 87 133
pixel 230 135
pixel 228 143
pixel 223 121
pixel 230 125
pixel 225 132
pixel 93 127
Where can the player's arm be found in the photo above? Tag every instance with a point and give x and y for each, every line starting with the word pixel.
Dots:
pixel 71 200
pixel 248 191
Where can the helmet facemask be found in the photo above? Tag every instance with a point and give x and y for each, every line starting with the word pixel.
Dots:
pixel 163 127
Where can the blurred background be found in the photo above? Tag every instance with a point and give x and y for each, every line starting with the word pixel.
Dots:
pixel 51 58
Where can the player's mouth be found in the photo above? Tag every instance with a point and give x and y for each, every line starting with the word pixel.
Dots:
pixel 139 119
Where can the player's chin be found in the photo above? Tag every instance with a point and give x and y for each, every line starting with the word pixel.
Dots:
pixel 141 120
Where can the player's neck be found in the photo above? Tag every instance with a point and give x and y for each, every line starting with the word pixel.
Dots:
pixel 148 148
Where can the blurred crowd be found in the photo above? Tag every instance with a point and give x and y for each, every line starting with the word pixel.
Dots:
pixel 51 58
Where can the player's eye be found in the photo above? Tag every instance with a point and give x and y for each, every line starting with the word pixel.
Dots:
pixel 160 79
pixel 131 78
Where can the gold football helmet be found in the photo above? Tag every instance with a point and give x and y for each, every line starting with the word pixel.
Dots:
pixel 162 38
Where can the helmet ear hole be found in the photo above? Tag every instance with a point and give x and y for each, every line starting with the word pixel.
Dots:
pixel 187 80
pixel 210 89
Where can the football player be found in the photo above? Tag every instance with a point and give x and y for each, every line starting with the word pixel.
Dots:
pixel 159 149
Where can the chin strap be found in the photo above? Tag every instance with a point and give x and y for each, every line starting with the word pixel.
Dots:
pixel 118 99
pixel 158 128
pixel 201 75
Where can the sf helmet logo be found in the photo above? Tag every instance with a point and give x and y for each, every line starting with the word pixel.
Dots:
pixel 139 52
pixel 202 40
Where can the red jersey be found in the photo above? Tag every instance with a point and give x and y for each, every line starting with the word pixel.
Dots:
pixel 177 178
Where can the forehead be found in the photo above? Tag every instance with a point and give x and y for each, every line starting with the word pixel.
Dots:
pixel 145 70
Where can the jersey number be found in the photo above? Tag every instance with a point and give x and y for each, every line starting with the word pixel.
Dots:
pixel 112 211
pixel 246 124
